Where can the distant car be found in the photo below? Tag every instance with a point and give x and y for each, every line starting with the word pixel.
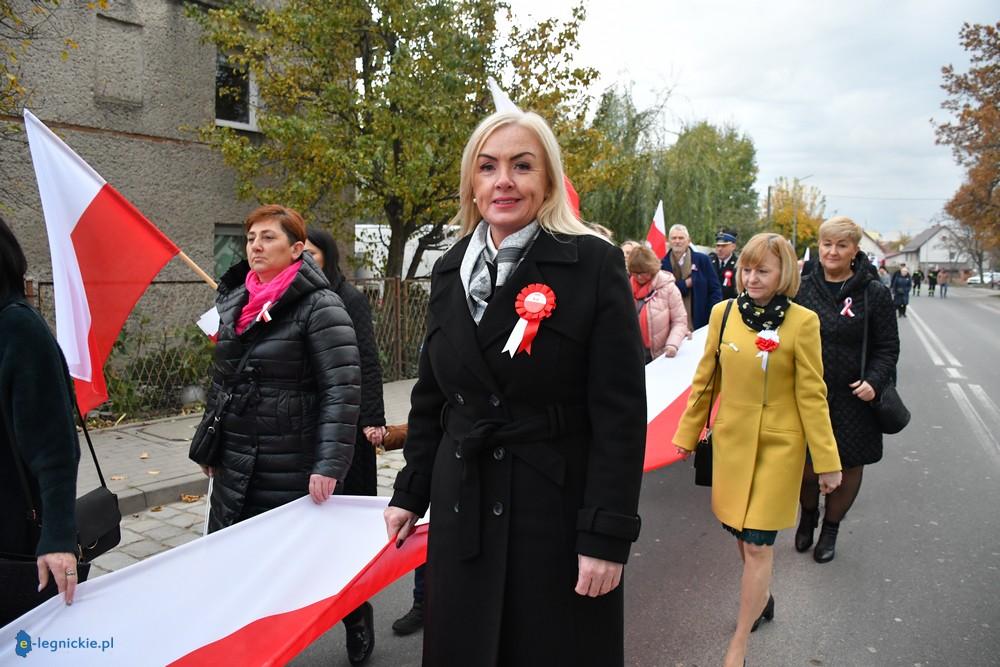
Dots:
pixel 986 278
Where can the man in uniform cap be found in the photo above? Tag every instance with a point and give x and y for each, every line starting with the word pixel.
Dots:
pixel 724 260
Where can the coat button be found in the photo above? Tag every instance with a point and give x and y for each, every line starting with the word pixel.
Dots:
pixel 498 508
pixel 494 401
pixel 458 451
pixel 459 399
pixel 455 507
pixel 499 453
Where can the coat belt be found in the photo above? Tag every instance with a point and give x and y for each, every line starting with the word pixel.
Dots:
pixel 526 438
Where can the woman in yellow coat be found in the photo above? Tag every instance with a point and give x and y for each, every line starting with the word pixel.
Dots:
pixel 773 401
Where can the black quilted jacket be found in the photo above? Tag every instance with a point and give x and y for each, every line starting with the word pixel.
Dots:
pixel 294 410
pixel 362 478
pixel 858 436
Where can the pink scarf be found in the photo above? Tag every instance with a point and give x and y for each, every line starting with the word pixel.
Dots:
pixel 263 296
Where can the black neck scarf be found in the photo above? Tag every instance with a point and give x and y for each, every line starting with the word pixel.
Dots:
pixel 757 318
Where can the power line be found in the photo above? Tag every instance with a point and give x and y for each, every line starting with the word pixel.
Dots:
pixel 888 198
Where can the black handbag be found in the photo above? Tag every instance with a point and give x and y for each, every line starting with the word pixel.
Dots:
pixel 890 411
pixel 206 445
pixel 98 519
pixel 703 450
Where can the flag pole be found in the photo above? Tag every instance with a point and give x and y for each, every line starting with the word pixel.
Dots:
pixel 197 269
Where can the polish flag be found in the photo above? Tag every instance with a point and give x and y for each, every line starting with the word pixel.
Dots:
pixel 657 235
pixel 668 385
pixel 256 593
pixel 502 102
pixel 302 578
pixel 104 255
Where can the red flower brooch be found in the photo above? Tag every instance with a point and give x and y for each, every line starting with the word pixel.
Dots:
pixel 534 303
pixel 767 342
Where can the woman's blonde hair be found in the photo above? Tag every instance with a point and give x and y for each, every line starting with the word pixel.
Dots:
pixel 753 255
pixel 555 214
pixel 841 227
pixel 642 260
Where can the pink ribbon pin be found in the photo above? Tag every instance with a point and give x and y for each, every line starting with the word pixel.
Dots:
pixel 846 311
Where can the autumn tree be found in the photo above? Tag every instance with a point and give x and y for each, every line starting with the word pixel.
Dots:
pixel 707 181
pixel 973 132
pixel 797 211
pixel 365 105
pixel 622 193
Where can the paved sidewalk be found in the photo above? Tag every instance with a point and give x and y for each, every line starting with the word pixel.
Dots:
pixel 147 466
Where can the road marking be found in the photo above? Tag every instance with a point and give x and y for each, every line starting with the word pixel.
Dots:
pixel 979 428
pixel 953 373
pixel 952 360
pixel 991 408
pixel 935 357
pixel 988 307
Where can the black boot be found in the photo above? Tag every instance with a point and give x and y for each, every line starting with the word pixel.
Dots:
pixel 804 534
pixel 827 542
pixel 412 621
pixel 766 615
pixel 361 635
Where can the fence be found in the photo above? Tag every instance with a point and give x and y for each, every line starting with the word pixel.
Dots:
pixel 162 361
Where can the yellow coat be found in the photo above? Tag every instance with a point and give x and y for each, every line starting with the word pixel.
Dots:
pixel 764 420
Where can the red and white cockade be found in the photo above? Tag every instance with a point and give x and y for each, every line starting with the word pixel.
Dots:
pixel 534 303
pixel 767 342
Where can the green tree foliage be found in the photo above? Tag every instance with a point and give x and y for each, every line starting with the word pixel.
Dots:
pixel 365 105
pixel 623 185
pixel 974 133
pixel 796 208
pixel 707 180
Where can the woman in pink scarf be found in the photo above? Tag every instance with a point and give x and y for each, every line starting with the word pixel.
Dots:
pixel 286 383
pixel 662 317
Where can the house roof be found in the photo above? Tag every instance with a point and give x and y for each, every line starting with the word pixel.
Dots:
pixel 873 237
pixel 922 238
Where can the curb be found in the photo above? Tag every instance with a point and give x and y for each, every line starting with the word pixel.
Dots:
pixel 135 500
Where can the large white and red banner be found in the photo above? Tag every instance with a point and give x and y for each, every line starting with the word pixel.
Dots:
pixel 262 590
pixel 256 593
pixel 104 255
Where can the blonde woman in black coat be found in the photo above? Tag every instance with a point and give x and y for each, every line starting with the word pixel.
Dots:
pixel 842 290
pixel 530 458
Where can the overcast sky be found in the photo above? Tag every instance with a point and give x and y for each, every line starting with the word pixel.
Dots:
pixel 842 90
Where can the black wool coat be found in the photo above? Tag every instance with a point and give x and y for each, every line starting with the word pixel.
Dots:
pixel 859 438
pixel 294 410
pixel 362 478
pixel 36 409
pixel 527 461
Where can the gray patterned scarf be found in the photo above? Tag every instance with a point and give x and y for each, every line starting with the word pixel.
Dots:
pixel 478 264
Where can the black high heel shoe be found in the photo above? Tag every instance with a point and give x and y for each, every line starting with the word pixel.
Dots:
pixel 804 533
pixel 766 615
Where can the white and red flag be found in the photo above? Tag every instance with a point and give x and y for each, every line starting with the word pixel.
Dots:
pixel 256 593
pixel 104 255
pixel 657 235
pixel 309 566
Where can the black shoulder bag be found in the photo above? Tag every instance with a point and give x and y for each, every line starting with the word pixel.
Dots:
pixel 206 445
pixel 703 450
pixel 891 413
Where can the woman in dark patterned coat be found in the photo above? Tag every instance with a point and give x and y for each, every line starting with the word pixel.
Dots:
pixel 531 458
pixel 841 290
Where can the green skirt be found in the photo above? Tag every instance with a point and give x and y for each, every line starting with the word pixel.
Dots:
pixel 763 538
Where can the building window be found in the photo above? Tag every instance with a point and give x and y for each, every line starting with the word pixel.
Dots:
pixel 235 96
pixel 230 247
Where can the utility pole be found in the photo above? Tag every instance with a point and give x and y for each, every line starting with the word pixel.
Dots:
pixel 795 213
